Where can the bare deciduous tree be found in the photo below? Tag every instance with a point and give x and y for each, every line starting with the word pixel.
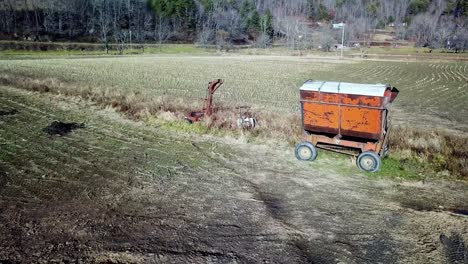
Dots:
pixel 199 20
pixel 104 21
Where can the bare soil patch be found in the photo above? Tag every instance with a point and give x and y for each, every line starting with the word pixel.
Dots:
pixel 58 128
pixel 120 191
pixel 8 112
pixel 454 248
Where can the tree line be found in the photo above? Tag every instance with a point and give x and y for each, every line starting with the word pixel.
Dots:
pixel 296 24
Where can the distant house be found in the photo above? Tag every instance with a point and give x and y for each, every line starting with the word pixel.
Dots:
pixel 339 47
pixel 455 43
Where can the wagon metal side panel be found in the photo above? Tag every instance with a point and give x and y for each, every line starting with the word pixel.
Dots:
pixel 361 122
pixel 320 117
pixel 348 115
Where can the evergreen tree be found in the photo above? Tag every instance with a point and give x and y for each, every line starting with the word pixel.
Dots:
pixel 159 7
pixel 267 23
pixel 311 13
pixel 208 5
pixel 459 8
pixel 180 9
pixel 246 9
pixel 418 6
pixel 323 12
pixel 250 17
pixel 253 24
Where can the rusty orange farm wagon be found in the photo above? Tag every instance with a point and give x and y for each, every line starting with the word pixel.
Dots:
pixel 346 117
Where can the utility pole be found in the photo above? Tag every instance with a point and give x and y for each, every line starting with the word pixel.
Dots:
pixel 342 41
pixel 341 26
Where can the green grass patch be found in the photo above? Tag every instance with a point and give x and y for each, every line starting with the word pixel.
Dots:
pixel 398 168
pixel 393 167
pixel 185 127
pixel 7 148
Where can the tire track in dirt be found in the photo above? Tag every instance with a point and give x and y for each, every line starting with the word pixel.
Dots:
pixel 47 153
pixel 372 225
pixel 279 205
pixel 105 129
pixel 272 205
pixel 81 144
pixel 182 253
pixel 280 209
pixel 49 159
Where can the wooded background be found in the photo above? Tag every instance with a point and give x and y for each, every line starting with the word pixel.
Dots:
pixel 296 24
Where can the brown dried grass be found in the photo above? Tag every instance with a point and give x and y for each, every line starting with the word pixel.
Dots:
pixel 443 151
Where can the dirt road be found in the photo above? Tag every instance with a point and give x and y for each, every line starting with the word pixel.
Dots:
pixel 117 191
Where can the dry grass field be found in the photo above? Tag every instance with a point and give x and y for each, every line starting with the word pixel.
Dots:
pixel 119 191
pixel 430 112
pixel 271 83
pixel 135 184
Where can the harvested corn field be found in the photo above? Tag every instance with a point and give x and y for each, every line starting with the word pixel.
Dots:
pixel 432 94
pixel 97 165
pixel 434 88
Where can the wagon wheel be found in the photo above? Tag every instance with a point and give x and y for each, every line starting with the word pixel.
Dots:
pixel 369 162
pixel 305 151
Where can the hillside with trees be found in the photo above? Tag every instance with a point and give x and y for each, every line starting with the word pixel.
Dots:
pixel 296 24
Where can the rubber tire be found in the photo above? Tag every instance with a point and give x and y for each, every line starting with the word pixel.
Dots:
pixel 373 157
pixel 188 121
pixel 312 149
